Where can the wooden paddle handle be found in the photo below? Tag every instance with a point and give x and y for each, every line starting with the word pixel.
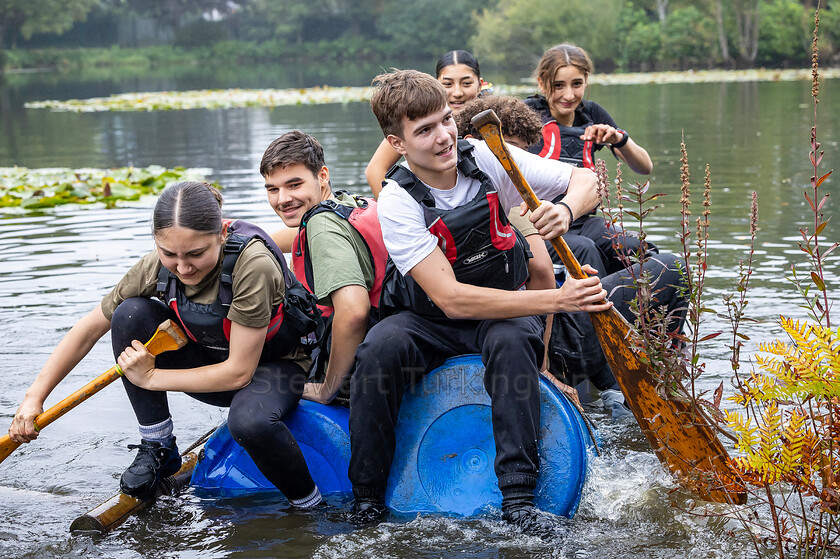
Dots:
pixel 167 337
pixel 490 127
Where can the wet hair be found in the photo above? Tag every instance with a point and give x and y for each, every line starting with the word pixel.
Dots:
pixel 192 205
pixel 457 57
pixel 402 94
pixel 518 119
pixel 558 56
pixel 293 147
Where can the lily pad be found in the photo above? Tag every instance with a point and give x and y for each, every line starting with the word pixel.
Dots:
pixel 229 98
pixel 46 188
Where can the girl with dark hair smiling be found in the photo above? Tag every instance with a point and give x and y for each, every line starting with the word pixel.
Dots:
pixel 227 285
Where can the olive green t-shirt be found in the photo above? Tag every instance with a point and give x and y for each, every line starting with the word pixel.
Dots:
pixel 257 287
pixel 338 253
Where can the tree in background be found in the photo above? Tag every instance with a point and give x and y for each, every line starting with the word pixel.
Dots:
pixel 517 32
pixel 278 20
pixel 429 28
pixel 23 18
pixel 657 34
pixel 783 32
pixel 625 34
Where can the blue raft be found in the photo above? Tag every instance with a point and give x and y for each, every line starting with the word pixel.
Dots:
pixel 445 450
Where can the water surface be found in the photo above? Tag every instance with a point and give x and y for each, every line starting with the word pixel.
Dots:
pixel 56 265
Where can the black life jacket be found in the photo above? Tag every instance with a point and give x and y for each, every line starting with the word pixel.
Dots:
pixel 364 220
pixel 207 324
pixel 560 142
pixel 482 247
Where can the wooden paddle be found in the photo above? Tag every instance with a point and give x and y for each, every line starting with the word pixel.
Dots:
pixel 167 337
pixel 118 508
pixel 682 440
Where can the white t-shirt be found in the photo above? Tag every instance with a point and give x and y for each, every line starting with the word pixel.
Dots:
pixel 403 225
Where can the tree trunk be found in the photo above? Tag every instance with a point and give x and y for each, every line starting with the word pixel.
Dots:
pixel 722 42
pixel 746 22
pixel 2 52
pixel 662 10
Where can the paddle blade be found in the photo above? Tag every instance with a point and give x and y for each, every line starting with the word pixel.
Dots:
pixel 681 439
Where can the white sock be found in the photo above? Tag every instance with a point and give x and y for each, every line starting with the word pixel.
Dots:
pixel 159 432
pixel 309 501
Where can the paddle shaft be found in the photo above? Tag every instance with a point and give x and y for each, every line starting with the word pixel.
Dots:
pixel 118 508
pixel 489 125
pixel 167 337
pixel 680 438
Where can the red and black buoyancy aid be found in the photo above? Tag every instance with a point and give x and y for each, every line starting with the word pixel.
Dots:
pixel 363 219
pixel 207 324
pixel 482 247
pixel 563 143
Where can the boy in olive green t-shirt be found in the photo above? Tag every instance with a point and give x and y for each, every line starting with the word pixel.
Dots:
pixel 331 257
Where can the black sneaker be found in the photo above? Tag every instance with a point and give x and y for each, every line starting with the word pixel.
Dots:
pixel 154 461
pixel 366 512
pixel 532 522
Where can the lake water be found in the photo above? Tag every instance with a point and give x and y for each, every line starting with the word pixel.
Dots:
pixel 56 265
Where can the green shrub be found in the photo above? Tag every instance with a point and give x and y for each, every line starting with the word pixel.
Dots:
pixel 200 34
pixel 689 38
pixel 640 39
pixel 783 35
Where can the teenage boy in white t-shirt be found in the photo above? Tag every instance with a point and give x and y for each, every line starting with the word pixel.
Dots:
pixel 458 289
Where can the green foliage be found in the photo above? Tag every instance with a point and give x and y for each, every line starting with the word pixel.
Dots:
pixel 200 34
pixel 43 16
pixel 429 28
pixel 784 33
pixel 516 33
pixel 31 189
pixel 173 12
pixel 640 39
pixel 282 19
pixel 689 38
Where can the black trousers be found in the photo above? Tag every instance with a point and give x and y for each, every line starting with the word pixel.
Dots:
pixel 575 354
pixel 601 246
pixel 402 348
pixel 256 411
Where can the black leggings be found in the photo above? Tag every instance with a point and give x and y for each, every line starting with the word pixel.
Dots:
pixel 256 411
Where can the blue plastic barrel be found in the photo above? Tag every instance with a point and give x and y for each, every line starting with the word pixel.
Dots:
pixel 445 450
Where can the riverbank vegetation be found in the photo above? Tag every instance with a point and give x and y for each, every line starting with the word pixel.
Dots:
pixel 625 35
pixel 783 416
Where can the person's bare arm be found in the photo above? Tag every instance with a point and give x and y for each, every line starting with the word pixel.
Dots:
pixel 233 373
pixel 349 326
pixel 383 159
pixel 540 267
pixel 636 157
pixel 75 345
pixel 464 301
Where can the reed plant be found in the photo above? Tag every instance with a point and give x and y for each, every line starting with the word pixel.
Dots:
pixel 784 414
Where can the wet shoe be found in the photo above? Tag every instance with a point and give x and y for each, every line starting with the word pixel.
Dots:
pixel 530 521
pixel 615 404
pixel 154 461
pixel 366 512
